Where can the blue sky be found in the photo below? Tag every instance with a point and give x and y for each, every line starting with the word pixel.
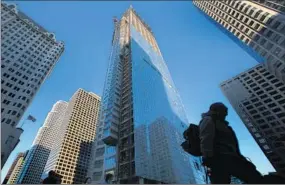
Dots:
pixel 199 57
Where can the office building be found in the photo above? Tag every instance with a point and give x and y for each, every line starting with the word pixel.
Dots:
pixel 277 5
pixel 71 152
pixel 142 117
pixel 28 55
pixel 255 26
pixel 37 158
pixel 8 175
pixel 17 168
pixel 259 99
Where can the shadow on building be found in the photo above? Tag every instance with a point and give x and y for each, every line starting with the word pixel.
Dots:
pixel 82 164
pixel 34 165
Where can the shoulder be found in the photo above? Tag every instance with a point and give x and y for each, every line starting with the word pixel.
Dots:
pixel 206 119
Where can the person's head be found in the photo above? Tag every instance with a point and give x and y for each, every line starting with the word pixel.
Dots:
pixel 51 173
pixel 87 180
pixel 219 110
pixel 108 178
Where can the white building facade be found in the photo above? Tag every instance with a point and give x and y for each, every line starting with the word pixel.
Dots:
pixel 42 145
pixel 28 55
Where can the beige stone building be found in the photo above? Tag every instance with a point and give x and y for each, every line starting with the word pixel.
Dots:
pixel 12 167
pixel 71 152
pixel 17 168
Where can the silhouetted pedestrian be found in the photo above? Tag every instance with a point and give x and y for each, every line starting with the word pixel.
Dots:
pixel 87 180
pixel 51 179
pixel 220 149
pixel 109 178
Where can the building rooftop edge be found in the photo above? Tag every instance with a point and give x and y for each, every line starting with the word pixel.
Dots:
pixel 31 22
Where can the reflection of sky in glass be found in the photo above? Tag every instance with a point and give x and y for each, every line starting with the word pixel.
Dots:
pixel 159 119
pixel 107 104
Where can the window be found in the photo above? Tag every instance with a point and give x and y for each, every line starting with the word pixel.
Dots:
pixel 100 151
pixel 257 14
pixel 251 23
pixel 269 21
pixel 277 51
pixel 262 31
pixel 9 140
pixel 262 41
pixel 269 33
pixel 268 45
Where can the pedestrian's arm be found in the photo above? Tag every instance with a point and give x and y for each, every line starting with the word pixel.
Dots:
pixel 207 134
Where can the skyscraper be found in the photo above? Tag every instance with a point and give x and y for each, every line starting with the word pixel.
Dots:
pixel 16 170
pixel 28 55
pixel 71 152
pixel 35 162
pixel 19 155
pixel 259 99
pixel 277 5
pixel 259 28
pixel 142 117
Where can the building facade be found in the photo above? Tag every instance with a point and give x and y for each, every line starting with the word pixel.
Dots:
pixel 17 169
pixel 259 99
pixel 37 158
pixel 258 29
pixel 277 5
pixel 142 117
pixel 21 154
pixel 71 152
pixel 28 55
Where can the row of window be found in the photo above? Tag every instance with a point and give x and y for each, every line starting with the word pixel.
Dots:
pixel 276 37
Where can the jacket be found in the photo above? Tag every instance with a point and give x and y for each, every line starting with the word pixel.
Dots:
pixel 217 137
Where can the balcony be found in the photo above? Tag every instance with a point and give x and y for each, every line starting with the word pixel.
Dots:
pixel 110 135
pixel 110 139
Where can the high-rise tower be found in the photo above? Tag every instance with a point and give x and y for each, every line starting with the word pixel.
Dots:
pixel 12 167
pixel 28 55
pixel 38 155
pixel 260 30
pixel 71 153
pixel 263 112
pixel 17 168
pixel 142 117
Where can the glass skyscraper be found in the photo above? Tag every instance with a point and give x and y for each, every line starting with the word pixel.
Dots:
pixel 142 117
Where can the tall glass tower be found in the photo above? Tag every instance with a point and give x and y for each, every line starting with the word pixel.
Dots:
pixel 142 117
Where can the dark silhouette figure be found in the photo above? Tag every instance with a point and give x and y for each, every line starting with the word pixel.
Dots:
pixel 220 149
pixel 87 180
pixel 52 178
pixel 108 178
